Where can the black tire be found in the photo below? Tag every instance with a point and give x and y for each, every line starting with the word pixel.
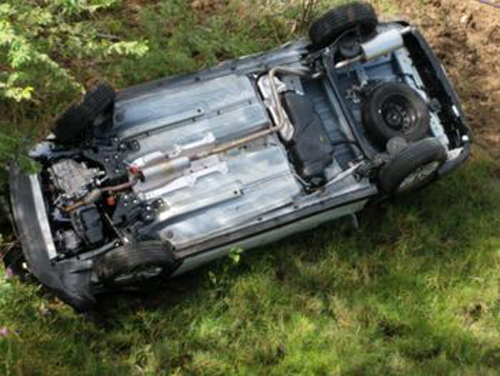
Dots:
pixel 395 110
pixel 326 29
pixel 5 216
pixel 414 159
pixel 130 260
pixel 77 119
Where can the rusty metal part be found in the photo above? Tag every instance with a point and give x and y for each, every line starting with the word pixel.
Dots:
pixel 94 195
pixel 121 187
pixel 222 148
pixel 90 198
pixel 165 167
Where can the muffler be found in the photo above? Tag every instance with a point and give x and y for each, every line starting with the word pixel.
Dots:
pixel 380 45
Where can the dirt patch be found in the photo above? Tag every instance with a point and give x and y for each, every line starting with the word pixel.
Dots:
pixel 208 6
pixel 466 37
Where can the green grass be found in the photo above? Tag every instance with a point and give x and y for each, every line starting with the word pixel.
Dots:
pixel 415 291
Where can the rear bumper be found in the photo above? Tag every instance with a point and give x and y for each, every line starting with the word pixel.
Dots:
pixel 447 88
pixel 67 280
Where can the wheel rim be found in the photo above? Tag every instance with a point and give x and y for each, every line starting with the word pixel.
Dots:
pixel 398 113
pixel 141 274
pixel 419 176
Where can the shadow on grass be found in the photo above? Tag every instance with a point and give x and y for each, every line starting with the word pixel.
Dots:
pixel 400 289
pixel 416 288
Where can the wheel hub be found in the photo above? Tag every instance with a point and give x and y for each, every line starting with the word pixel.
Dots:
pixel 398 114
pixel 419 176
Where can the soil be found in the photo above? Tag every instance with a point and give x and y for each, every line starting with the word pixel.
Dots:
pixel 466 37
pixel 208 6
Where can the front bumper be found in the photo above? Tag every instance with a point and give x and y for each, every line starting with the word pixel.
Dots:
pixel 66 279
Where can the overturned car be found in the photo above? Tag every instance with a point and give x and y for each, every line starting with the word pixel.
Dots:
pixel 155 180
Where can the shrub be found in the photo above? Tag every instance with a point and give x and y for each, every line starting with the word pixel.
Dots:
pixel 39 39
pixel 40 44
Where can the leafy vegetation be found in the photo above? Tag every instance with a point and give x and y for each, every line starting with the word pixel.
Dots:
pixel 414 291
pixel 39 44
pixel 31 34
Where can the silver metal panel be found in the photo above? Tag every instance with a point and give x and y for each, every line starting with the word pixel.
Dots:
pixel 258 181
pixel 176 105
pixel 41 215
pixel 216 194
pixel 286 55
pixel 231 124
pixel 222 194
pixel 177 206
pixel 191 263
pixel 224 108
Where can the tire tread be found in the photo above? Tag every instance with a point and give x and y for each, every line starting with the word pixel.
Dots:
pixel 128 258
pixel 408 160
pixel 333 23
pixel 70 125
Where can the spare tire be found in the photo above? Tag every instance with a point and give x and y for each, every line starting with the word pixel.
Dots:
pixel 78 118
pixel 326 29
pixel 395 110
pixel 134 263
pixel 412 168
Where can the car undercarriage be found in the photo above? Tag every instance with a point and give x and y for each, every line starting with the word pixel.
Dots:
pixel 177 172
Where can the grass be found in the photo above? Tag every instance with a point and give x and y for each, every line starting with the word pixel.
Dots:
pixel 414 291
